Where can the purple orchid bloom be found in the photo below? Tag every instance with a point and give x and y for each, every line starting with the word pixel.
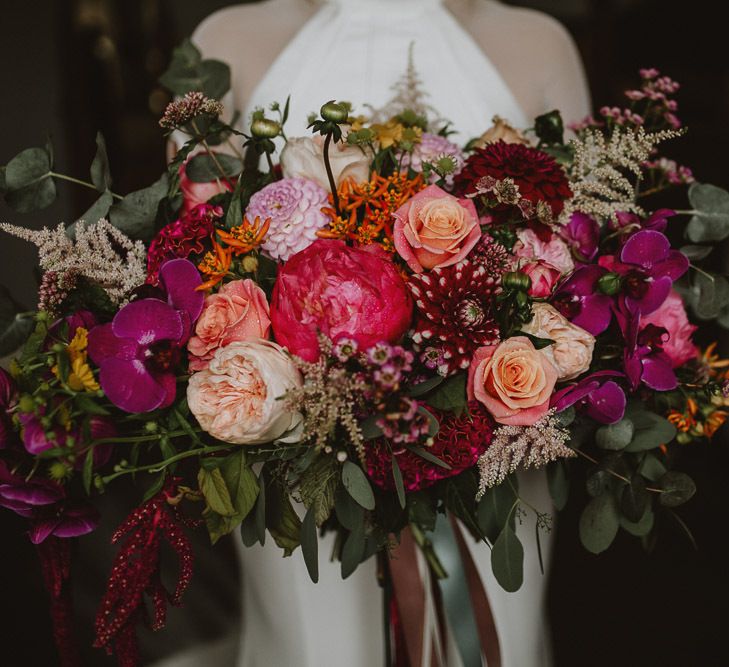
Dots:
pixel 602 399
pixel 36 438
pixel 580 301
pixel 43 502
pixel 649 268
pixel 582 235
pixel 8 396
pixel 644 359
pixel 136 353
pixel 657 221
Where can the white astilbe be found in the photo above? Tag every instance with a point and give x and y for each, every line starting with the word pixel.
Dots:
pixel 100 253
pixel 526 446
pixel 601 170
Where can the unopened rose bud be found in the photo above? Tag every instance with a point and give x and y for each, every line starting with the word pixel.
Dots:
pixel 335 112
pixel 609 284
pixel 265 128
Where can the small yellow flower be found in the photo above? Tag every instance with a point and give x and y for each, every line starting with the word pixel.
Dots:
pixel 389 133
pixel 81 376
pixel 77 347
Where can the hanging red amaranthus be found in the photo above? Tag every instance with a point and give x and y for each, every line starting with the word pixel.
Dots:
pixel 136 571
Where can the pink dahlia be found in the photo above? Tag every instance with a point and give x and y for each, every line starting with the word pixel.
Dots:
pixel 538 176
pixel 338 291
pixel 455 314
pixel 430 148
pixel 294 207
pixel 459 443
pixel 182 238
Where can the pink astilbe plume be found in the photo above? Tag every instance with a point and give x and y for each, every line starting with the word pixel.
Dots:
pixel 136 571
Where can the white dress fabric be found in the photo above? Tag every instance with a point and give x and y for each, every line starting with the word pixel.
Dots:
pixel 355 50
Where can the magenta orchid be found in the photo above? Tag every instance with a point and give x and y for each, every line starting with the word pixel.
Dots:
pixel 578 298
pixel 582 235
pixel 136 353
pixel 598 395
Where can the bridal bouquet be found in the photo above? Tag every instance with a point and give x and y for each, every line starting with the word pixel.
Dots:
pixel 378 328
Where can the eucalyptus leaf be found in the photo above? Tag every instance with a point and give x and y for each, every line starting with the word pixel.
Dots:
pixel 203 168
pixel 426 386
pixel 357 484
pixel 615 436
pixel 599 523
pixel 318 485
pixel 708 294
pixel 15 325
pixel 494 510
pixel 639 528
pixel 281 519
pixel 397 477
pixel 99 209
pixel 677 488
pixel 711 220
pixel 135 215
pixel 652 467
pixel 100 173
pixel 450 395
pixel 558 484
pixel 310 544
pixel 189 72
pixel 369 428
pixel 433 423
pixel 507 560
pixel 428 456
pixel 29 185
pixel 422 510
pixel 696 253
pixel 660 432
pixel 353 551
pixel 349 513
pixel 634 499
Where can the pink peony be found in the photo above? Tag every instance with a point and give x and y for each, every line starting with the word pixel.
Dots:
pixel 293 205
pixel 543 276
pixel 435 229
pixel 238 312
pixel 671 315
pixel 194 194
pixel 555 252
pixel 338 291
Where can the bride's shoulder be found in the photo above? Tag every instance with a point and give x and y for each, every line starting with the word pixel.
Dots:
pixel 240 26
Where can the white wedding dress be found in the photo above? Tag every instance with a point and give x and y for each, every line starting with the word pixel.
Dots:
pixel 355 50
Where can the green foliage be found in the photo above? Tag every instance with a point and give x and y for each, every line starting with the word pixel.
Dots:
pixel 399 486
pixel 450 396
pixel 135 215
pixel 203 168
pixel 281 519
pixel 353 550
pixel 710 222
pixel 615 436
pixel 15 325
pixel 357 484
pixel 422 510
pixel 426 386
pixel 318 485
pixel 29 184
pixel 677 489
pixel 558 483
pixel 349 512
pixel 100 173
pixel 99 209
pixel 696 253
pixel 189 72
pixel 650 432
pixel 496 509
pixel 310 544
pixel 634 499
pixel 640 528
pixel 507 560
pixel 599 523
pixel 707 294
pixel 549 128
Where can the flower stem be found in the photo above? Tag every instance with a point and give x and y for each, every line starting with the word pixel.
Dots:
pixel 612 472
pixel 78 181
pixel 330 175
pixel 209 151
pixel 426 546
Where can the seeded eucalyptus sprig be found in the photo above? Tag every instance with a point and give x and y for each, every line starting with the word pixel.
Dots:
pixel 333 114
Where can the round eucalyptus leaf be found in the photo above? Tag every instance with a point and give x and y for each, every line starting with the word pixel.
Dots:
pixel 615 436
pixel 639 528
pixel 634 499
pixel 507 560
pixel 599 523
pixel 677 489
pixel 711 221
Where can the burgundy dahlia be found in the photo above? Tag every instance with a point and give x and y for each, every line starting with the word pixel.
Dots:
pixel 455 314
pixel 537 175
pixel 459 443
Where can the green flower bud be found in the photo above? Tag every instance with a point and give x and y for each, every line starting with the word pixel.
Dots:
pixel 516 280
pixel 46 422
pixel 609 284
pixel 151 427
pixel 335 112
pixel 59 471
pixel 44 386
pixel 41 316
pixel 58 347
pixel 26 403
pixel 265 128
pixel 250 263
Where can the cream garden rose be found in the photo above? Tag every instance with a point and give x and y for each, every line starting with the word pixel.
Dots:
pixel 572 350
pixel 303 157
pixel 513 380
pixel 237 399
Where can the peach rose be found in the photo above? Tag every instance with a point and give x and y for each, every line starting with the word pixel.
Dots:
pixel 501 130
pixel 571 352
pixel 237 399
pixel 239 311
pixel 513 380
pixel 435 229
pixel 303 157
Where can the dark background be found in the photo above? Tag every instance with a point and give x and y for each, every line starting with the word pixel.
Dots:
pixel 69 68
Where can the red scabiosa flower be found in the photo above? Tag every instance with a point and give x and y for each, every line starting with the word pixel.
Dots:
pixel 455 314
pixel 537 175
pixel 459 443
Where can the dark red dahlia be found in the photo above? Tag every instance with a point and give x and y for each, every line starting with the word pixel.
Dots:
pixel 459 443
pixel 455 314
pixel 537 174
pixel 182 238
